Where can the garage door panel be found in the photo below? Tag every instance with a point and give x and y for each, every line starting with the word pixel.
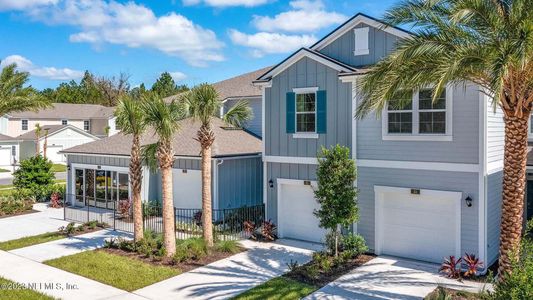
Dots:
pixel 413 218
pixel 418 203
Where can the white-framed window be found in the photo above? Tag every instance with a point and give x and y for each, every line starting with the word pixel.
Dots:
pixel 419 119
pixel 361 41
pixel 87 125
pixel 24 125
pixel 305 110
pixel 64 122
pixel 13 150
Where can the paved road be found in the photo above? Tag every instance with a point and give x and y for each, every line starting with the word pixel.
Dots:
pixel 9 180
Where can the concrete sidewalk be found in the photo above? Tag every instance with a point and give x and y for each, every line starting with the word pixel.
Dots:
pixel 55 282
pixel 234 275
pixel 69 246
pixel 391 278
pixel 46 220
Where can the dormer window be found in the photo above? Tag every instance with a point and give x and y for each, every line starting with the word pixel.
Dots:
pixel 361 41
pixel 24 125
pixel 64 122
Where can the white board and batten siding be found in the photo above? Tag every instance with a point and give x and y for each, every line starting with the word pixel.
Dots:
pixel 64 139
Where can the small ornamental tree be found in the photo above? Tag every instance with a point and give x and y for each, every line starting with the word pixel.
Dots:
pixel 336 192
pixel 34 176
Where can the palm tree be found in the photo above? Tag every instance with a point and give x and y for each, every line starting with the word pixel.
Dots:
pixel 38 130
pixel 164 119
pixel 14 96
pixel 202 104
pixel 45 142
pixel 130 118
pixel 488 42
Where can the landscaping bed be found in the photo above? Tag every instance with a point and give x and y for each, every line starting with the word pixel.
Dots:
pixel 20 213
pixel 10 206
pixel 442 293
pixel 10 290
pixel 63 232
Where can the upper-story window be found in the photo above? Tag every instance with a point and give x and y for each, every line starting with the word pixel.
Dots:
pixel 419 118
pixel 361 41
pixel 24 124
pixel 87 125
pixel 306 112
pixel 64 122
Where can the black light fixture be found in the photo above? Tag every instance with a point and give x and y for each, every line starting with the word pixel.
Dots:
pixel 68 168
pixel 271 183
pixel 468 201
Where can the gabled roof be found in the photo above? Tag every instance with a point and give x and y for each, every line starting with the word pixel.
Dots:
pixel 304 52
pixel 237 87
pixel 52 130
pixel 229 141
pixel 7 138
pixel 353 21
pixel 68 111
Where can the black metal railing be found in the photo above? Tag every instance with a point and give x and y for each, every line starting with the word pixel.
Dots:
pixel 228 224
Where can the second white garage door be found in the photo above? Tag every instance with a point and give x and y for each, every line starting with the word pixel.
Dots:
pixel 423 226
pixel 295 213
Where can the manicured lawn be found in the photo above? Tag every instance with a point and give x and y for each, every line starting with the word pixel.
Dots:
pixel 281 288
pixel 119 271
pixel 9 293
pixel 4 170
pixel 31 240
pixel 59 168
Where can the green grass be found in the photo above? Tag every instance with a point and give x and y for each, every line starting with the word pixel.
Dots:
pixel 119 271
pixel 17 294
pixel 280 288
pixel 30 240
pixel 59 168
pixel 4 170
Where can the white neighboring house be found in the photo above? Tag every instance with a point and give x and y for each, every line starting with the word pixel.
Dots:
pixel 9 151
pixel 59 137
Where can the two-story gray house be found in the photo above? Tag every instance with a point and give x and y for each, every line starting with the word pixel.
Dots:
pixel 429 175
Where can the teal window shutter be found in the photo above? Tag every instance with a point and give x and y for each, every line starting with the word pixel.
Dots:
pixel 291 112
pixel 321 112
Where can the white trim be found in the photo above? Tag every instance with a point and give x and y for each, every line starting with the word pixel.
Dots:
pixel 482 180
pixel 299 55
pixel 353 82
pixel 305 90
pixel 291 160
pixel 102 167
pixel 265 188
pixel 415 135
pixel 94 154
pixel 419 165
pixel 361 33
pixel 357 20
pixel 379 195
pixel 74 128
pixel 303 135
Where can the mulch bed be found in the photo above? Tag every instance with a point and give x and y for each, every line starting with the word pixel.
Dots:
pixel 453 295
pixel 324 278
pixel 183 266
pixel 30 211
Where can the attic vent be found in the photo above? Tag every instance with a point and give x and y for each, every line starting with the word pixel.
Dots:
pixel 361 41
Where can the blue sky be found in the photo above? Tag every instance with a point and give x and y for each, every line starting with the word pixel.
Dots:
pixel 196 40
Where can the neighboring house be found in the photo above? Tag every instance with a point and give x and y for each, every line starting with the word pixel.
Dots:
pixel 429 175
pixel 95 119
pixel 9 151
pixel 236 169
pixel 238 88
pixel 59 137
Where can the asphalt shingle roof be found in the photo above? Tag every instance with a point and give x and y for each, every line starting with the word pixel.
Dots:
pixel 229 141
pixel 68 111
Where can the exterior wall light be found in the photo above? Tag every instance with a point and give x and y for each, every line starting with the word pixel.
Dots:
pixel 271 183
pixel 468 201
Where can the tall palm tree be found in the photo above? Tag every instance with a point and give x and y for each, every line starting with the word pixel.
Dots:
pixel 14 95
pixel 38 131
pixel 164 119
pixel 130 119
pixel 488 42
pixel 202 104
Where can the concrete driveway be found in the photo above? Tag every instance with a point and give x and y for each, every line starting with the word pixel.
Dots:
pixel 391 278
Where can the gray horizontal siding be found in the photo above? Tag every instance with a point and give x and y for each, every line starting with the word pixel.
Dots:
pixel 189 164
pixel 463 148
pixel 494 203
pixel 254 125
pixel 436 180
pixel 99 160
pixel 307 73
pixel 380 44
pixel 240 182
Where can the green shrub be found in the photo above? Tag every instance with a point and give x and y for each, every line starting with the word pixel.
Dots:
pixel 354 244
pixel 181 255
pixel 197 247
pixel 227 246
pixel 323 261
pixel 35 175
pixel 12 205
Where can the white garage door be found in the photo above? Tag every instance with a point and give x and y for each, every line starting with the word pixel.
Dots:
pixel 187 188
pixel 423 227
pixel 53 155
pixel 5 156
pixel 295 213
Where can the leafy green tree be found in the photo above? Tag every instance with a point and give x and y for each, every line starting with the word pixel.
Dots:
pixel 487 42
pixel 336 193
pixel 35 176
pixel 137 92
pixel 89 89
pixel 166 86
pixel 14 95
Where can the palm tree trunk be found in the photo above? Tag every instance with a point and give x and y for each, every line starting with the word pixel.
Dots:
pixel 136 180
pixel 169 230
pixel 207 212
pixel 514 179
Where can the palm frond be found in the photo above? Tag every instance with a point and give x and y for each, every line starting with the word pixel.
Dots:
pixel 202 103
pixel 149 156
pixel 161 116
pixel 239 114
pixel 130 116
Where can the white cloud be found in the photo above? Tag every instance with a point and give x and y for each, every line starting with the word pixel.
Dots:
pixel 305 16
pixel 133 25
pixel 269 43
pixel 226 3
pixel 23 4
pixel 178 76
pixel 26 65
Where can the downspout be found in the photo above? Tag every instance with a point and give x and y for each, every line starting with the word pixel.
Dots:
pixel 215 181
